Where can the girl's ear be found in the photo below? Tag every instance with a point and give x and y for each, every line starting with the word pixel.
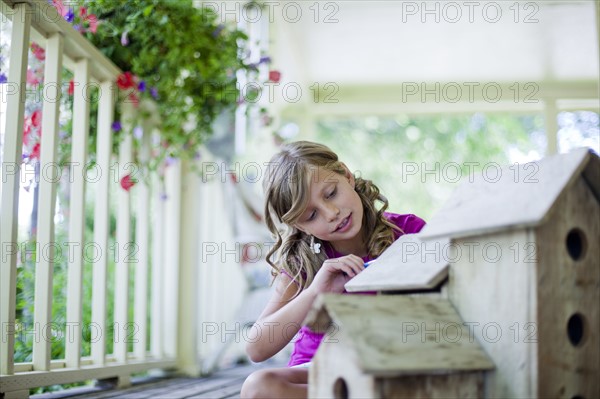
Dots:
pixel 298 227
pixel 349 175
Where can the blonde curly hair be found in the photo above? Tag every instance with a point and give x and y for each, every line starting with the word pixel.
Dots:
pixel 286 187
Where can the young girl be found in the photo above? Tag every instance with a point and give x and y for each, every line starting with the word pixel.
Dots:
pixel 327 225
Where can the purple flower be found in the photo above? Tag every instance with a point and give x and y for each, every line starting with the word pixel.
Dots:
pixel 124 38
pixel 70 15
pixel 138 132
pixel 197 155
pixel 77 28
pixel 265 59
pixel 163 196
pixel 218 30
pixel 169 161
pixel 116 126
pixel 154 92
pixel 3 78
pixel 142 86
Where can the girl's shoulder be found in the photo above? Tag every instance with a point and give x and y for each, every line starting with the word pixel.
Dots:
pixel 409 223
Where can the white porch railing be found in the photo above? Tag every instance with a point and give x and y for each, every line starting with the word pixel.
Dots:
pixel 39 21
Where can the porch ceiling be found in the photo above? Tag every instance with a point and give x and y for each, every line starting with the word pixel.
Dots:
pixel 386 42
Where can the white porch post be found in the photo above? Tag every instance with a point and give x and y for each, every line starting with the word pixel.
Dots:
pixel 172 259
pixel 158 268
pixel 11 166
pixel 180 312
pixel 187 351
pixel 142 238
pixel 123 252
pixel 101 220
pixel 81 123
pixel 47 202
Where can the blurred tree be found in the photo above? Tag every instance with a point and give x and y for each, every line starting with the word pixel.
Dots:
pixel 418 161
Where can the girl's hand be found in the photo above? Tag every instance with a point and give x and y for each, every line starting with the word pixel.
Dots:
pixel 334 273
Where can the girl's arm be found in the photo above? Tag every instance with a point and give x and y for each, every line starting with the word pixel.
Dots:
pixel 283 316
pixel 280 320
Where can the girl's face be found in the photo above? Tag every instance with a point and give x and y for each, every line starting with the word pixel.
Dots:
pixel 334 212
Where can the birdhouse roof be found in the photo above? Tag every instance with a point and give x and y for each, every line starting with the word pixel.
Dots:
pixel 513 197
pixel 407 264
pixel 399 335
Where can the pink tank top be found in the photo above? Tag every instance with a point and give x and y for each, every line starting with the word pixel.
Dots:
pixel 306 341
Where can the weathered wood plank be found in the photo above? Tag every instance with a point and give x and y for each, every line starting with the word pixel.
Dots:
pixel 398 335
pixel 407 264
pixel 516 196
pixel 182 390
pixel 167 383
pixel 492 292
pixel 224 383
pixel 232 389
pixel 459 385
pixel 567 293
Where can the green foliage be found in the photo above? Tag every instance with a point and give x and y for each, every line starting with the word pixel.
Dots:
pixel 180 50
pixel 418 161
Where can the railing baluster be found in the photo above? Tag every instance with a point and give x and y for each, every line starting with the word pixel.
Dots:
pixel 47 201
pixel 11 165
pixel 101 220
pixel 157 319
pixel 122 249
pixel 172 248
pixel 187 345
pixel 142 239
pixel 81 124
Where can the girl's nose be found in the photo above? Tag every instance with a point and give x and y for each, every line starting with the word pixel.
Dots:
pixel 332 212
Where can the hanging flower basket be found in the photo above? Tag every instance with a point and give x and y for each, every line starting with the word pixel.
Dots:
pixel 174 54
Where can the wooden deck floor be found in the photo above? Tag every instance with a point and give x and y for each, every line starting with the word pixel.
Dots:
pixel 222 384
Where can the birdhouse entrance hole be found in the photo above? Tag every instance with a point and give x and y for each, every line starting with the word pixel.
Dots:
pixel 576 244
pixel 340 389
pixel 575 329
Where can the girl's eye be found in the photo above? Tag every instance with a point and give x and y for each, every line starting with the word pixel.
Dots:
pixel 332 194
pixel 312 216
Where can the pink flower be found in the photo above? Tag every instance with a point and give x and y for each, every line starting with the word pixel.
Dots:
pixel 71 89
pixel 274 76
pixel 35 152
pixel 26 132
pixel 60 7
pixel 83 12
pixel 93 21
pixel 38 52
pixel 127 182
pixel 32 78
pixel 36 118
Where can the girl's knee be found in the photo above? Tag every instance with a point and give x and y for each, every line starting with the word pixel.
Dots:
pixel 260 384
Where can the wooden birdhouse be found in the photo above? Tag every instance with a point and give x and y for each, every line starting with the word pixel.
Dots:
pixel 393 346
pixel 525 273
